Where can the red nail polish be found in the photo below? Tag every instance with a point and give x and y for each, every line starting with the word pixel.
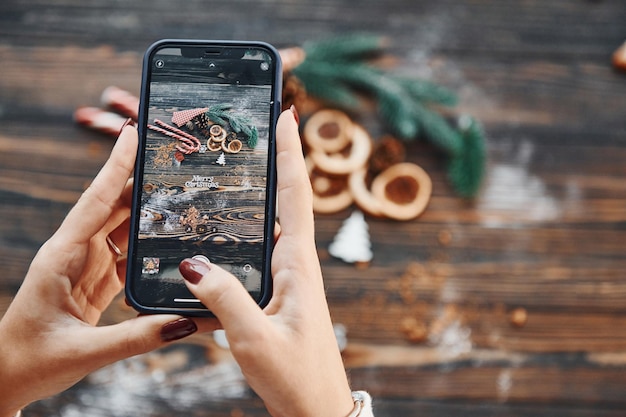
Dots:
pixel 193 269
pixel 128 122
pixel 178 329
pixel 296 116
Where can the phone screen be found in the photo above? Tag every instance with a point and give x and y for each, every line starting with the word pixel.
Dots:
pixel 204 184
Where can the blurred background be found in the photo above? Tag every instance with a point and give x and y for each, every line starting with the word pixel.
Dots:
pixel 509 303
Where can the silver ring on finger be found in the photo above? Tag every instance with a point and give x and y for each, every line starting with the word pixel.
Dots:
pixel 114 247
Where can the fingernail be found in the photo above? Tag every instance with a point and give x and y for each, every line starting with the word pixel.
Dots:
pixel 194 269
pixel 296 116
pixel 178 329
pixel 128 122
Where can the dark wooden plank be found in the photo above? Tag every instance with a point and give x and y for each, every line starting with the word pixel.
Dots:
pixel 507 28
pixel 542 384
pixel 452 408
pixel 170 380
pixel 545 234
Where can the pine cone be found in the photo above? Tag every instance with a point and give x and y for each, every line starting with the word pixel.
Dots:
pixel 293 91
pixel 387 152
pixel 202 121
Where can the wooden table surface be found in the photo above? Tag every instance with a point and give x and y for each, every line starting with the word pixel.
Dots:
pixel 545 236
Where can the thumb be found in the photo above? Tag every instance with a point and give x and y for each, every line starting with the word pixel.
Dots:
pixel 224 295
pixel 138 335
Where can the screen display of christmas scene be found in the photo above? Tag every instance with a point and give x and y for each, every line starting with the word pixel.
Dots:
pixel 205 173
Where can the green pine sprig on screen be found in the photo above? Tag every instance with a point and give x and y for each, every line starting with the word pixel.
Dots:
pixel 221 114
pixel 338 71
pixel 218 113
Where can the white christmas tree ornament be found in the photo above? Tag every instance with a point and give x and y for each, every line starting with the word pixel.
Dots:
pixel 352 242
pixel 221 160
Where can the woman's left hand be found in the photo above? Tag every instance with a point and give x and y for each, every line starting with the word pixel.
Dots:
pixel 49 339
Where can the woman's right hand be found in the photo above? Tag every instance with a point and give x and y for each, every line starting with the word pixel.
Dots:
pixel 288 351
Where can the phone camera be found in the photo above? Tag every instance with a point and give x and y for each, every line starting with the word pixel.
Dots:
pixel 265 66
pixel 159 63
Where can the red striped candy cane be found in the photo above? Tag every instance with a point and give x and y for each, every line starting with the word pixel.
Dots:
pixel 100 120
pixel 187 146
pixel 121 101
pixel 179 132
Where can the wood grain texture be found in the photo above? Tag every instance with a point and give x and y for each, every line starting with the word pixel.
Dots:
pixel 546 233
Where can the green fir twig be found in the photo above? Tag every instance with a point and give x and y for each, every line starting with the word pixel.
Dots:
pixel 221 114
pixel 467 168
pixel 337 71
pixel 354 46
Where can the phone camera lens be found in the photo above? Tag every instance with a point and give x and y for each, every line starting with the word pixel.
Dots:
pixel 265 66
pixel 159 63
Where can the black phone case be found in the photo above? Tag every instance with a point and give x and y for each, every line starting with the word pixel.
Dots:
pixel 132 297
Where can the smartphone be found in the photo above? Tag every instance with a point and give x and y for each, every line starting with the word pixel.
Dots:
pixel 205 176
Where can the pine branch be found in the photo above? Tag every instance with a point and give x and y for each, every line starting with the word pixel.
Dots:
pixel 335 70
pixel 398 115
pixel 466 169
pixel 437 130
pixel 397 103
pixel 344 48
pixel 330 91
pixel 217 114
pixel 220 114
pixel 422 90
pixel 252 133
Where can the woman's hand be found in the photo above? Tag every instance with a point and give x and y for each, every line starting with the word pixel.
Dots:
pixel 48 336
pixel 288 352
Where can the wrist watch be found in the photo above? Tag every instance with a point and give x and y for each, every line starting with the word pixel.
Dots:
pixel 362 405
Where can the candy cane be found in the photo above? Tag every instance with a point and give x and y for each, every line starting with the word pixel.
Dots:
pixel 121 101
pixel 179 132
pixel 291 57
pixel 187 146
pixel 100 120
